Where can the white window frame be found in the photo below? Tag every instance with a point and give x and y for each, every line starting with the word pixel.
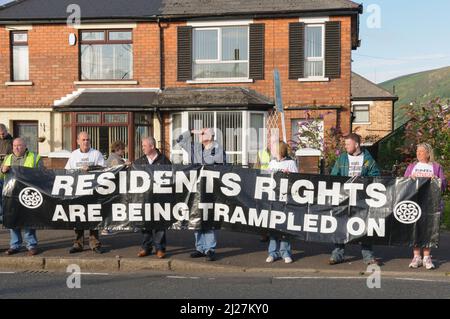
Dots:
pixel 310 22
pixel 246 115
pixel 316 59
pixel 363 103
pixel 208 26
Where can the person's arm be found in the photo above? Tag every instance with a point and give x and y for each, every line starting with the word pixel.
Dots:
pixel 373 169
pixel 336 168
pixel 69 163
pixel 5 168
pixel 409 170
pixel 184 140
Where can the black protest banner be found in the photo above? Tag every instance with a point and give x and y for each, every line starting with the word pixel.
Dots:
pixel 378 210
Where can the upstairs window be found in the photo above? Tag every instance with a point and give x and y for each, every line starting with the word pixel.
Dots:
pixel 314 50
pixel 20 58
pixel 106 55
pixel 220 52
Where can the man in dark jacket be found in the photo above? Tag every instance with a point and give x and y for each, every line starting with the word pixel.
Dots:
pixel 5 142
pixel 354 162
pixel 6 148
pixel 156 237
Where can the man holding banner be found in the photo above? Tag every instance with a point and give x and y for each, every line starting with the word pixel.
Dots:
pixel 21 157
pixel 157 237
pixel 83 159
pixel 207 152
pixel 354 162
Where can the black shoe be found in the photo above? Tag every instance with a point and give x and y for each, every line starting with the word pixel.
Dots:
pixel 74 250
pixel 197 254
pixel 210 256
pixel 97 250
pixel 12 251
pixel 335 262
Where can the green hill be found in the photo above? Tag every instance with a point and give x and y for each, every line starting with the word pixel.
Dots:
pixel 417 88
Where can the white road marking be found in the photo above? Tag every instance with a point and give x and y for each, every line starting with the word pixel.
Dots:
pixel 182 277
pixel 91 273
pixel 424 280
pixel 363 278
pixel 317 277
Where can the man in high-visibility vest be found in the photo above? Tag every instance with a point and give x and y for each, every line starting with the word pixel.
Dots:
pixel 265 156
pixel 21 157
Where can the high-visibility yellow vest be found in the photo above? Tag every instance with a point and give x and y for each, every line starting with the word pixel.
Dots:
pixel 31 161
pixel 264 159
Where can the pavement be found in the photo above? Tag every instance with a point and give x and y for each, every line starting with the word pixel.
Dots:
pixel 237 253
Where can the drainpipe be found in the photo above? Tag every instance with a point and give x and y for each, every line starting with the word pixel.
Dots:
pixel 161 83
pixel 162 130
pixel 161 55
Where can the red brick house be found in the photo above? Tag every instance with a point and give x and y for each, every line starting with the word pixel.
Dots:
pixel 372 109
pixel 135 68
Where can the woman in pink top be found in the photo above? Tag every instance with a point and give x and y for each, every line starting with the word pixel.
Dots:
pixel 425 167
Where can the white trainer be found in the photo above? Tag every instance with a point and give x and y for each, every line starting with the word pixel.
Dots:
pixel 416 262
pixel 288 260
pixel 270 259
pixel 428 263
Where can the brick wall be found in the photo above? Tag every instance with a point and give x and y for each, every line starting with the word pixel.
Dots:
pixel 380 121
pixel 54 64
pixel 336 92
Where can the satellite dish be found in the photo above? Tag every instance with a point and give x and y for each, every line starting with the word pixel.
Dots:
pixel 72 39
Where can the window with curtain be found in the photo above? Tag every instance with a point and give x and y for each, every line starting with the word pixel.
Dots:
pixel 220 52
pixel 20 58
pixel 106 55
pixel 314 51
pixel 361 114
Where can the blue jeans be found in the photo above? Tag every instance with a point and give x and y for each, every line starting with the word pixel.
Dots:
pixel 283 251
pixel 156 237
pixel 16 238
pixel 205 241
pixel 339 250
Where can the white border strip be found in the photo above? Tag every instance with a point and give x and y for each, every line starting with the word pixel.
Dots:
pixel 218 23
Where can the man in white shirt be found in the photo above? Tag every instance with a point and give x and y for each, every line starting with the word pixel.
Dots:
pixel 84 158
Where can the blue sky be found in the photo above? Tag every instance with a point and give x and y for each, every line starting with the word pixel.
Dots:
pixel 414 36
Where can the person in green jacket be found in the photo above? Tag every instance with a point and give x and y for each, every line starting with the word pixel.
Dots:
pixel 21 157
pixel 354 162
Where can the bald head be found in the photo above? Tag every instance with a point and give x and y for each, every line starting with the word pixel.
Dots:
pixel 19 147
